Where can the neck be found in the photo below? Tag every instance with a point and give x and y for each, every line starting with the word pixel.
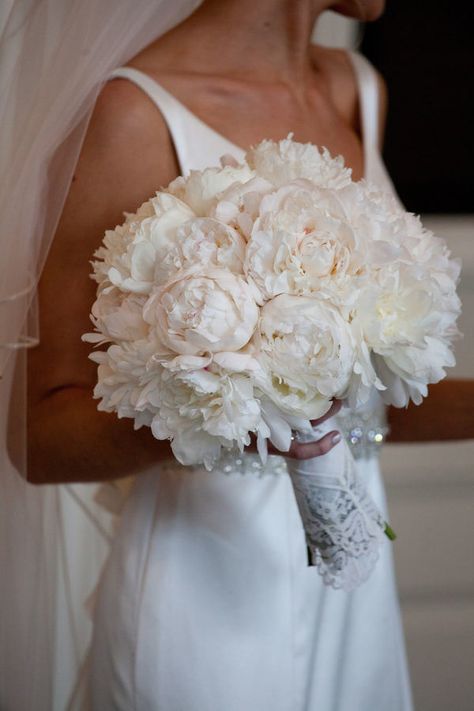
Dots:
pixel 265 40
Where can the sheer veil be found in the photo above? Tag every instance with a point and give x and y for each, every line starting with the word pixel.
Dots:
pixel 54 57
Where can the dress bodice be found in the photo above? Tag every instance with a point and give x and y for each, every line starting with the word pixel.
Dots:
pixel 199 146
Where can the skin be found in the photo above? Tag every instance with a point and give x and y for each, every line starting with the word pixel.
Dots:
pixel 265 74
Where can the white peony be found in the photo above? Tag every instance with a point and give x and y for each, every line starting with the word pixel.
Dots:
pixel 239 205
pixel 202 410
pixel 306 350
pixel 117 317
pixel 303 242
pixel 205 241
pixel 131 252
pixel 201 189
pixel 126 371
pixel 283 161
pixel 408 324
pixel 201 312
pixel 111 254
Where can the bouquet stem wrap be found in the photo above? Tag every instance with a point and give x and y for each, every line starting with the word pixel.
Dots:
pixel 343 527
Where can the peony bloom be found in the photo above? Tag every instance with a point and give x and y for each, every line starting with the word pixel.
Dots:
pixel 124 375
pixel 203 311
pixel 132 251
pixel 202 410
pixel 405 322
pixel 283 161
pixel 306 351
pixel 204 241
pixel 201 189
pixel 303 242
pixel 117 317
pixel 238 206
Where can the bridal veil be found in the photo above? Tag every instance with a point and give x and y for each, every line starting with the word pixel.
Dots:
pixel 54 57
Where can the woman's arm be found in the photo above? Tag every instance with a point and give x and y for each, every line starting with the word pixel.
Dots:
pixel 447 414
pixel 126 156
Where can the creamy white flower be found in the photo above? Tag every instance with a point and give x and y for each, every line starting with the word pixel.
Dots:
pixel 126 371
pixel 133 250
pixel 305 348
pixel 238 206
pixel 283 161
pixel 200 312
pixel 409 325
pixel 204 241
pixel 203 410
pixel 117 317
pixel 395 236
pixel 201 189
pixel 303 242
pixel 112 254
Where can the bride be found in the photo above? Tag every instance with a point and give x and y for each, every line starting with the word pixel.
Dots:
pixel 206 602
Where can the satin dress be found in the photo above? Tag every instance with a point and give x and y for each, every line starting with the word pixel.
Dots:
pixel 207 602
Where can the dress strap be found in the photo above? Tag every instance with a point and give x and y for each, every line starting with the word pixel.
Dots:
pixel 369 100
pixel 368 87
pixel 169 107
pixel 194 141
pixel 173 112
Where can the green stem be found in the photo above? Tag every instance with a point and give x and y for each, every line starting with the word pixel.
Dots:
pixel 389 532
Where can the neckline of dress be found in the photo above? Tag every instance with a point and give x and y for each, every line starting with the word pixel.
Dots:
pixel 233 147
pixel 190 114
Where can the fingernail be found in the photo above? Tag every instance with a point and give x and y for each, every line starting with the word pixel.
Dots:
pixel 337 438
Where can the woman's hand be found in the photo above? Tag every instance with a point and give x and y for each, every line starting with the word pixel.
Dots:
pixel 308 450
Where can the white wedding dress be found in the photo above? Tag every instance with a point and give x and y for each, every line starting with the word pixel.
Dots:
pixel 207 602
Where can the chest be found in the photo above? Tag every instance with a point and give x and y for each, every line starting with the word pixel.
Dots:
pixel 245 117
pixel 317 122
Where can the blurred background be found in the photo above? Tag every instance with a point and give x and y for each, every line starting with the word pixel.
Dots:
pixel 426 54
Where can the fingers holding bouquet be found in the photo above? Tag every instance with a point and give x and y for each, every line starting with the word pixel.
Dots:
pixel 300 449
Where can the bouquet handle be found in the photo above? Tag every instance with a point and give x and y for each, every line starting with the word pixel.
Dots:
pixel 343 527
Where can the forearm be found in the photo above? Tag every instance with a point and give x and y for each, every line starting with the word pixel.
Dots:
pixel 446 414
pixel 69 440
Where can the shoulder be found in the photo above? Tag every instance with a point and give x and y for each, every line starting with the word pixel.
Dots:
pixel 127 152
pixel 122 108
pixel 125 158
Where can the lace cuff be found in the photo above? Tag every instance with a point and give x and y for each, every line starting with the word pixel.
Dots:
pixel 343 527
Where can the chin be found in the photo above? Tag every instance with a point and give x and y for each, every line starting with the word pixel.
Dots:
pixel 363 10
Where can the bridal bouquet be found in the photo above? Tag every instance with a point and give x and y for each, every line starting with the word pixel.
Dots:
pixel 243 299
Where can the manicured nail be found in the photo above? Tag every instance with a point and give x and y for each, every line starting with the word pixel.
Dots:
pixel 337 438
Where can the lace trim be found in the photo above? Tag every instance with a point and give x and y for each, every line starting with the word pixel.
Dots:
pixel 343 527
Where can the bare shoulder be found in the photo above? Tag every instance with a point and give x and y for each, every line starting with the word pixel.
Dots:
pixel 127 153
